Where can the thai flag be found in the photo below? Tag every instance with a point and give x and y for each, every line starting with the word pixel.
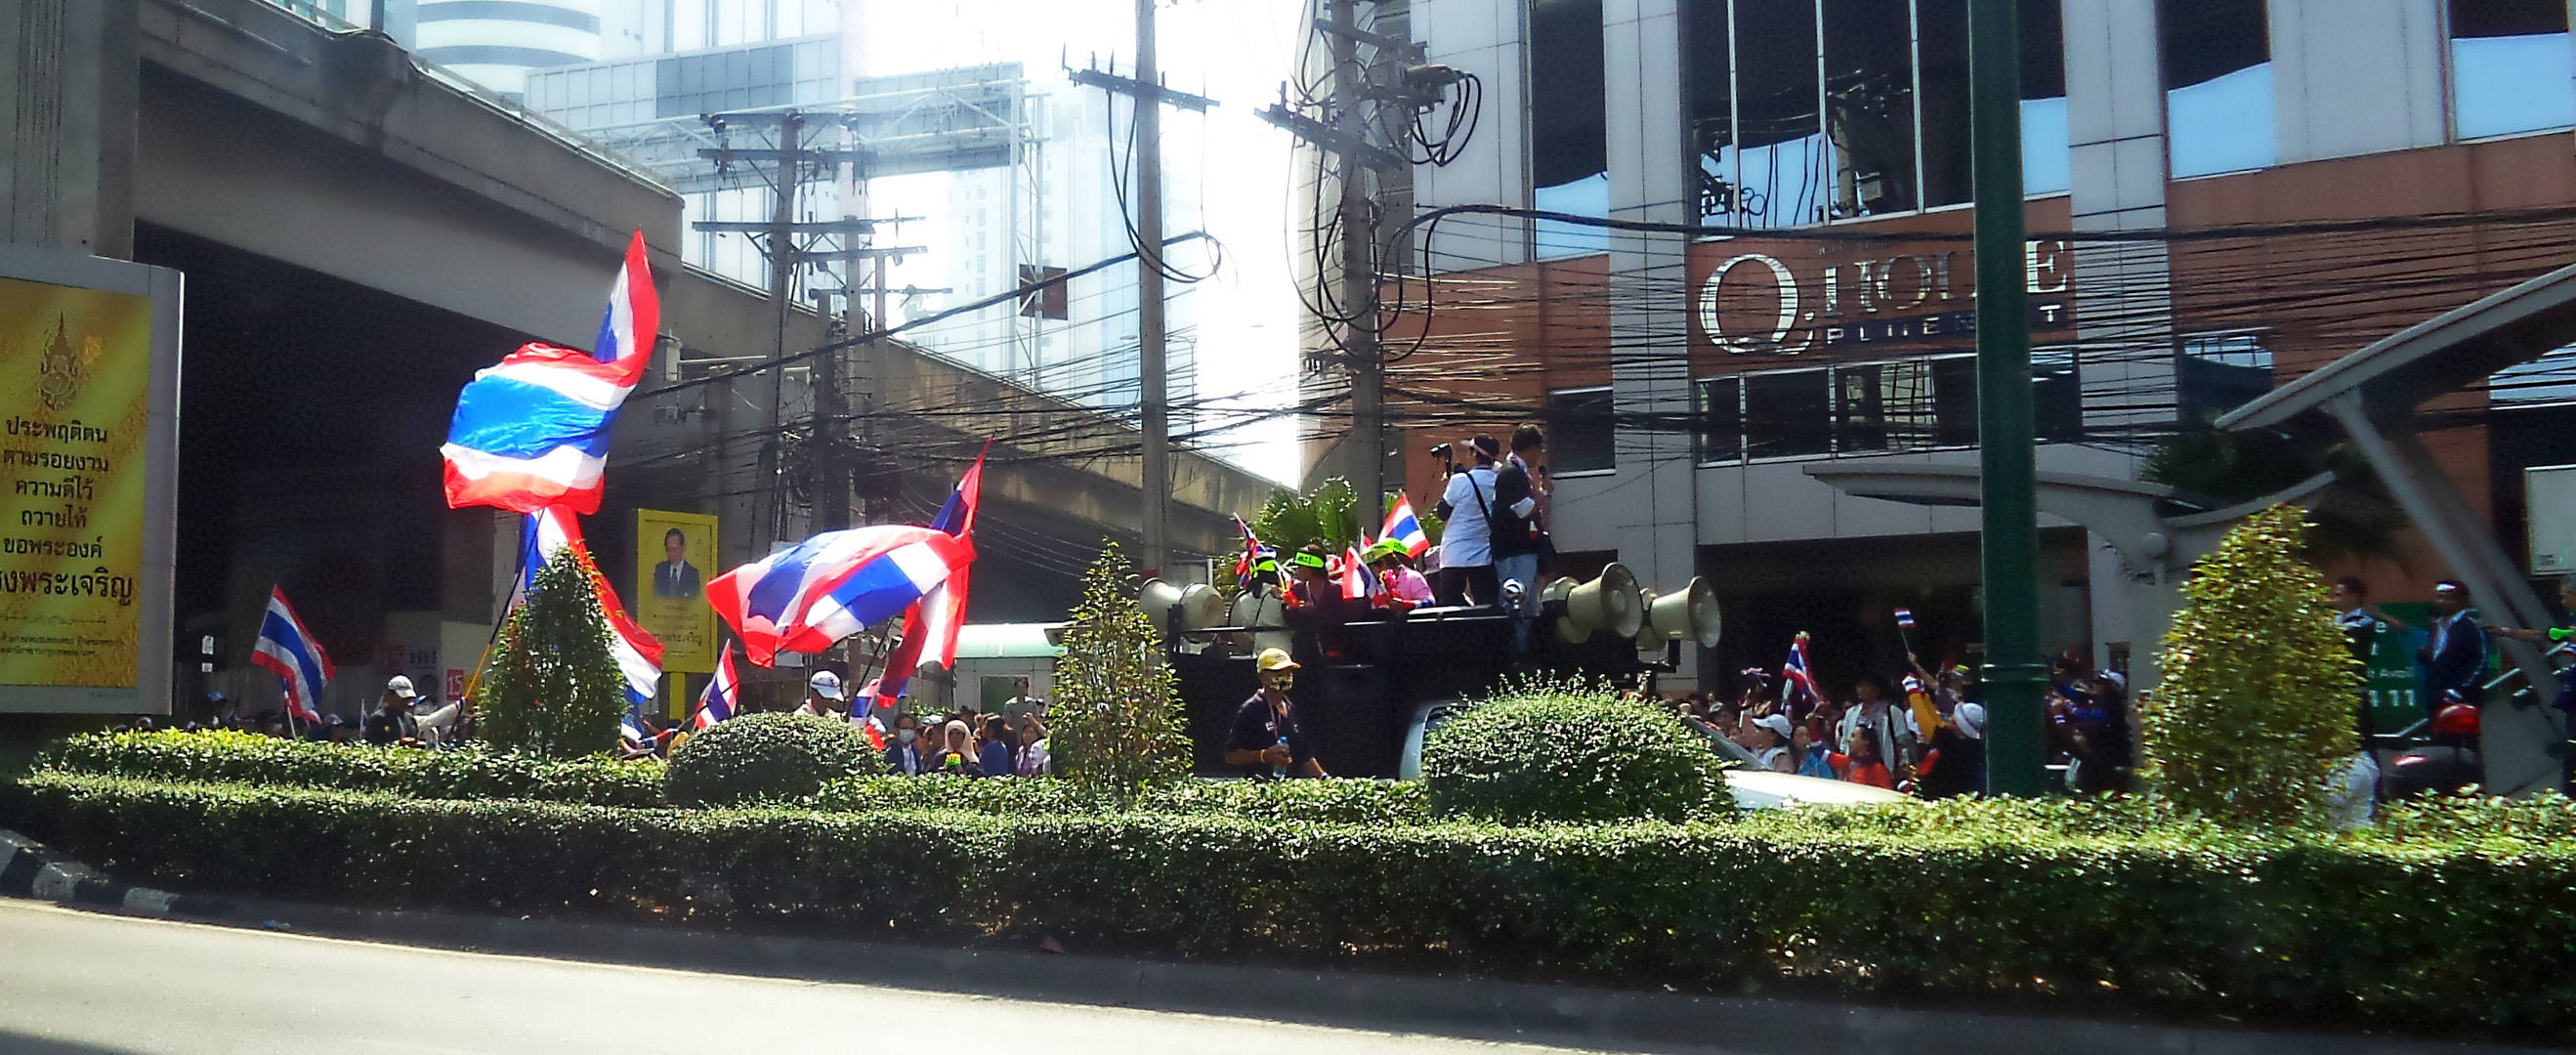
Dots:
pixel 287 650
pixel 930 628
pixel 1251 556
pixel 833 585
pixel 551 531
pixel 1404 527
pixel 1357 583
pixel 533 431
pixel 1905 619
pixel 724 691
pixel 1794 675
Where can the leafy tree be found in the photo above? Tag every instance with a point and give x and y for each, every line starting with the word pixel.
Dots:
pixel 554 686
pixel 1117 710
pixel 2255 714
pixel 1328 515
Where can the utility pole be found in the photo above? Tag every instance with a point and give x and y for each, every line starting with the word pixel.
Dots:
pixel 1157 412
pixel 1152 381
pixel 2007 479
pixel 789 159
pixel 1359 269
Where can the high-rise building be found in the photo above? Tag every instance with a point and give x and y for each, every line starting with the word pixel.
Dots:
pixel 1073 206
pixel 496 45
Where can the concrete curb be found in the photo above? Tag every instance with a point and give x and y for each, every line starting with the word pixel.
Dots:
pixel 1571 1015
pixel 29 870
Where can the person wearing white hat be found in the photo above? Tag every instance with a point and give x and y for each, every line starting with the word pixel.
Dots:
pixel 1774 752
pixel 822 695
pixel 391 723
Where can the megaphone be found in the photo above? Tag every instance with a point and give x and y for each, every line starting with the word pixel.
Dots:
pixel 1199 604
pixel 1690 615
pixel 1611 602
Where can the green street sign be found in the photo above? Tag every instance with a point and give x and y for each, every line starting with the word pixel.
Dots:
pixel 2391 682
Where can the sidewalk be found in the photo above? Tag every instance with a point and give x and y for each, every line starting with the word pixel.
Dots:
pixel 1473 1008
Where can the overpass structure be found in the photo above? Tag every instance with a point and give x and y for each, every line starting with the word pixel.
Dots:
pixel 361 231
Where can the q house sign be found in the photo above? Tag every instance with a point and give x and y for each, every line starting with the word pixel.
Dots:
pixel 1758 304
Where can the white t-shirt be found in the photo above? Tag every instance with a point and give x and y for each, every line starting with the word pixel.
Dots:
pixel 1468 541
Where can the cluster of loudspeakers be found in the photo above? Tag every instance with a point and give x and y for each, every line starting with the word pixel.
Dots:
pixel 1614 603
pixel 1198 604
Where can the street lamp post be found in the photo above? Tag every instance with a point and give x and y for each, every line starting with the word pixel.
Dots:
pixel 2005 436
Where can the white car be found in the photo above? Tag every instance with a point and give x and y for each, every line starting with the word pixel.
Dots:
pixel 1755 787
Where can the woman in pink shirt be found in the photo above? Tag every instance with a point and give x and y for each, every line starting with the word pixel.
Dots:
pixel 1406 589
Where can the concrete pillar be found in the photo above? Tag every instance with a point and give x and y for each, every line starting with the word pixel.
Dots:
pixel 2115 125
pixel 1651 508
pixel 67 112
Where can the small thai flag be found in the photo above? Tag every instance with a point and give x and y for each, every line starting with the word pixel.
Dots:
pixel 1905 619
pixel 1404 527
pixel 287 650
pixel 1794 675
pixel 722 692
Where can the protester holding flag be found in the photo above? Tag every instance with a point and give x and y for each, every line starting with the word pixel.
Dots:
pixel 391 723
pixel 1404 588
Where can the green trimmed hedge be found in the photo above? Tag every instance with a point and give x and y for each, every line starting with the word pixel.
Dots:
pixel 471 772
pixel 1317 801
pixel 1572 753
pixel 1983 902
pixel 780 758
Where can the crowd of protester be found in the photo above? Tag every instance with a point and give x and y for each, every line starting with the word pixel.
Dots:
pixel 1922 733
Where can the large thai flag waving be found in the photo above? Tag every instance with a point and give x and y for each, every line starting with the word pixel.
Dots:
pixel 1795 675
pixel 930 629
pixel 551 531
pixel 830 586
pixel 288 651
pixel 533 431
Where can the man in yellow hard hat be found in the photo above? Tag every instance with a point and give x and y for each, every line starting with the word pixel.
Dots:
pixel 1266 740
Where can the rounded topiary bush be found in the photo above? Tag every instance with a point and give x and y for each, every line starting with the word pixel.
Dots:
pixel 767 758
pixel 1569 754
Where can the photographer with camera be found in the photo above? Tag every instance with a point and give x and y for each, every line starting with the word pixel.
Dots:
pixel 1466 544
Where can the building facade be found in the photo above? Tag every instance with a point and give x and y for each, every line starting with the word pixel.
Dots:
pixel 2224 194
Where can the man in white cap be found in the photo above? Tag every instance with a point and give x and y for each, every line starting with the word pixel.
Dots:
pixel 1774 753
pixel 391 723
pixel 822 695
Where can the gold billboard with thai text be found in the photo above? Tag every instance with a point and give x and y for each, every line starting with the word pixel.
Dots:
pixel 75 385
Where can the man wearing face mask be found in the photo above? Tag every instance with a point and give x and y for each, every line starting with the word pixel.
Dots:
pixel 903 754
pixel 1267 741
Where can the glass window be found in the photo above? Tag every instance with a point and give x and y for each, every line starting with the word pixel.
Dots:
pixel 1581 436
pixel 2056 395
pixel 1569 149
pixel 1780 156
pixel 1883 406
pixel 2512 67
pixel 1869 105
pixel 2218 85
pixel 2217 373
pixel 1788 414
pixel 1709 57
pixel 1721 419
pixel 1954 401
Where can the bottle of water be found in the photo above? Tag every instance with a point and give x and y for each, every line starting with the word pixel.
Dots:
pixel 1280 772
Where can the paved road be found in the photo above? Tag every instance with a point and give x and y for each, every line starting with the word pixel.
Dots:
pixel 74 983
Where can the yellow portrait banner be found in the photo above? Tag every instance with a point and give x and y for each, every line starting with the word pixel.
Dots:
pixel 671 552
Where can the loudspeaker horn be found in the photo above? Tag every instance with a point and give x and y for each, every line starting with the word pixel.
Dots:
pixel 1199 604
pixel 1611 602
pixel 1690 615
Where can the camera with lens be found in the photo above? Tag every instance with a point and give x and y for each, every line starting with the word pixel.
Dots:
pixel 1444 452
